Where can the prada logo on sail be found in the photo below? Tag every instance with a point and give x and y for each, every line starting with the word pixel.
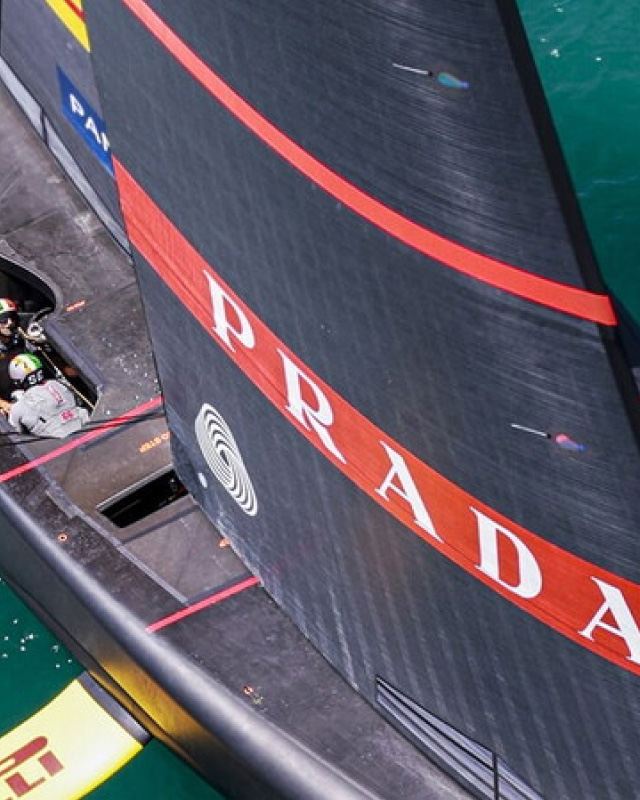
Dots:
pixel 593 607
pixel 222 454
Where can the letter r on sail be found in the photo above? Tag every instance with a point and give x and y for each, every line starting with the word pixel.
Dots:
pixel 318 418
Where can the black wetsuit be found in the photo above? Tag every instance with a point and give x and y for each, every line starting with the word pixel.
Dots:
pixel 8 349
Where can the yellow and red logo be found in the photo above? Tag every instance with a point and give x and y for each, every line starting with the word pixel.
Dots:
pixel 64 750
pixel 12 768
pixel 71 13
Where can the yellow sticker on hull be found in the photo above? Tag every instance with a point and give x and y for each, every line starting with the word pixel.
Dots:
pixel 64 750
pixel 72 15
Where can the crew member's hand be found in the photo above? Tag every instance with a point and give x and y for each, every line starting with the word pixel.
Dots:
pixel 5 407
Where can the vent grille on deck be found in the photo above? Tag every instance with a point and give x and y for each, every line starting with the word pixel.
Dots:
pixel 478 768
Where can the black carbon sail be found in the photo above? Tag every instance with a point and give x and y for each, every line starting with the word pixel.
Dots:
pixel 391 371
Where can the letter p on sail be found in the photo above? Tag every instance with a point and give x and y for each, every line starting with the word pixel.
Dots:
pixel 229 320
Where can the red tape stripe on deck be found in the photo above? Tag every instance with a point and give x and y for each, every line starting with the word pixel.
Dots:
pixel 218 597
pixel 559 296
pixel 87 437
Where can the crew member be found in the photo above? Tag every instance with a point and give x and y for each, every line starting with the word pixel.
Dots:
pixel 11 344
pixel 42 407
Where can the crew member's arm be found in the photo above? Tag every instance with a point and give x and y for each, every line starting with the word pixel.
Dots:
pixel 22 416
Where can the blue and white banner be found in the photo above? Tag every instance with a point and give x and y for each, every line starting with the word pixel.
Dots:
pixel 85 120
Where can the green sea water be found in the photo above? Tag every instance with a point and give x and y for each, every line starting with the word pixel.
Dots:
pixel 589 60
pixel 34 667
pixel 588 57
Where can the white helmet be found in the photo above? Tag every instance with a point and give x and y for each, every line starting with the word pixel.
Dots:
pixel 26 370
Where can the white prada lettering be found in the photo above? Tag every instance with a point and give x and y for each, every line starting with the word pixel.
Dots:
pixel 407 489
pixel 221 304
pixel 318 417
pixel 530 577
pixel 626 627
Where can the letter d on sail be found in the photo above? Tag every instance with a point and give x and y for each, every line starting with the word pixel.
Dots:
pixel 529 582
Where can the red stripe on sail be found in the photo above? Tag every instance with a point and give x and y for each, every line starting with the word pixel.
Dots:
pixel 570 594
pixel 559 296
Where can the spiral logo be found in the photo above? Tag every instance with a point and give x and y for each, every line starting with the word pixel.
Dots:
pixel 221 453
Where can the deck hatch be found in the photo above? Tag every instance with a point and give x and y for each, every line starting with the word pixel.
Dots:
pixel 139 501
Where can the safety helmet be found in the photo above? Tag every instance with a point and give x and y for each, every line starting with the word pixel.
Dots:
pixel 26 370
pixel 9 312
